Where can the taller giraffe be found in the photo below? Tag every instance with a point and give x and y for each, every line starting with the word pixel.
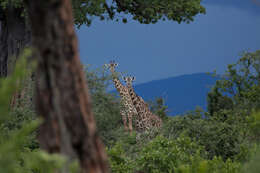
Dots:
pixel 145 119
pixel 128 108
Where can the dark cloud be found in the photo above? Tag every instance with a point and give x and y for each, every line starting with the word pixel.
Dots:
pixel 252 6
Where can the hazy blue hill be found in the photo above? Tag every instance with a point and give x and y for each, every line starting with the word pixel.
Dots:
pixel 181 93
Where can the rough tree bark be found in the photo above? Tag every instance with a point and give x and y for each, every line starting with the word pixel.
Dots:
pixel 15 34
pixel 3 49
pixel 62 97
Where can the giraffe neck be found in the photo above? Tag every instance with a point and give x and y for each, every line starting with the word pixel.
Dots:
pixel 133 95
pixel 141 108
pixel 137 102
pixel 146 118
pixel 118 85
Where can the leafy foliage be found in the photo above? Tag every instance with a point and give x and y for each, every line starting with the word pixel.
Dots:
pixel 159 108
pixel 142 11
pixel 253 165
pixel 224 139
pixel 164 155
pixel 218 138
pixel 239 87
pixel 254 125
pixel 118 159
pixel 105 105
pixel 16 3
pixel 216 165
pixel 218 102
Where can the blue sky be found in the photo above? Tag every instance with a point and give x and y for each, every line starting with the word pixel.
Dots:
pixel 168 49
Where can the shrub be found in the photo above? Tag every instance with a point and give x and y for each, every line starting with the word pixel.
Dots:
pixel 164 155
pixel 218 138
pixel 119 161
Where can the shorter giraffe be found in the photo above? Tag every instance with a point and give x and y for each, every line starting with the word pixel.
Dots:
pixel 146 120
pixel 128 107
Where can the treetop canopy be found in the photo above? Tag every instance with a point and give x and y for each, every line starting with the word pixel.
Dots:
pixel 143 11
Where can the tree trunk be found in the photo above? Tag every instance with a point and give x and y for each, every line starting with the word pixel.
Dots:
pixel 15 34
pixel 62 98
pixel 3 49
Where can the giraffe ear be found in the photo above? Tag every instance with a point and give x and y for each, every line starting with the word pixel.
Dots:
pixel 133 78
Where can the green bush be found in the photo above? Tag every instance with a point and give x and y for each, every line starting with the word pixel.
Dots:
pixel 254 125
pixel 218 138
pixel 216 165
pixel 164 155
pixel 159 108
pixel 118 159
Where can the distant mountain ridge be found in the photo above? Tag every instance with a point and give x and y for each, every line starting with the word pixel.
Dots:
pixel 181 93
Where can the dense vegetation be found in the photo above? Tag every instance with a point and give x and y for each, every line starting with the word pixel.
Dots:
pixel 225 138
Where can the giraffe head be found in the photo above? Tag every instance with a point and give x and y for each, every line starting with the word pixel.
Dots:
pixel 129 80
pixel 111 66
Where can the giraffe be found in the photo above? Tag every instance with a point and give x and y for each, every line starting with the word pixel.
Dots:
pixel 146 120
pixel 128 109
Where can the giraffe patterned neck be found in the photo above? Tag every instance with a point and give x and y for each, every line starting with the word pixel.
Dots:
pixel 145 117
pixel 139 104
pixel 134 97
pixel 131 92
pixel 118 84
